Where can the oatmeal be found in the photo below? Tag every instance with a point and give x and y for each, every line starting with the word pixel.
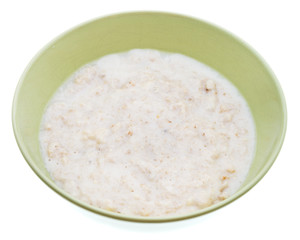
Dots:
pixel 148 133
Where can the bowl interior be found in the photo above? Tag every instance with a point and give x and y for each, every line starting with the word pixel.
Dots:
pixel 166 32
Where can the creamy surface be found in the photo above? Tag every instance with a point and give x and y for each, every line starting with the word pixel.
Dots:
pixel 148 133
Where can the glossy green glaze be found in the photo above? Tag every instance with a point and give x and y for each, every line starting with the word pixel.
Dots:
pixel 167 32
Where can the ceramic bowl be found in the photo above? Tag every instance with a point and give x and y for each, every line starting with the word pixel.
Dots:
pixel 163 31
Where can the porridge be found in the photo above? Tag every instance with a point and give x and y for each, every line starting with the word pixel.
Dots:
pixel 147 133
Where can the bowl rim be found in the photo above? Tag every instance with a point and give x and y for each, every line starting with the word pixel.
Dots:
pixel 244 189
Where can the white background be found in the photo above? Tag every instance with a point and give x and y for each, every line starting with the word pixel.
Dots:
pixel 30 210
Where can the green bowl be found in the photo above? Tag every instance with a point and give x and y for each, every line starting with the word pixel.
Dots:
pixel 166 32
